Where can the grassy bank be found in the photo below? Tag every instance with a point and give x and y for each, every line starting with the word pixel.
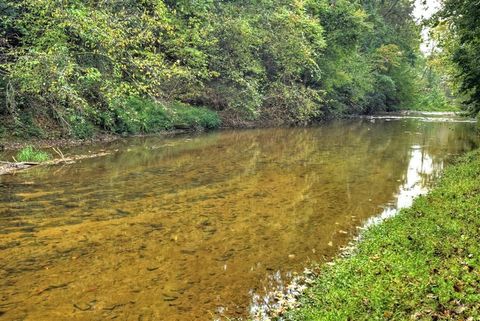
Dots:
pixel 423 264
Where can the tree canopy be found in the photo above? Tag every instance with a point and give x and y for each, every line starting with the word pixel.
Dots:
pixel 457 31
pixel 82 63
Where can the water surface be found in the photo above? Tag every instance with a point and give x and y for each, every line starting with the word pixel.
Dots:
pixel 203 227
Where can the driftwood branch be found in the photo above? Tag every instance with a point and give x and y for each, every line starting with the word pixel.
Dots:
pixel 12 167
pixel 20 163
pixel 59 152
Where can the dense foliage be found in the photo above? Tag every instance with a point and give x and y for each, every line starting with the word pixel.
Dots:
pixel 83 63
pixel 457 32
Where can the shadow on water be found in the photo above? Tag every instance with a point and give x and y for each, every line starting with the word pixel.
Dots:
pixel 193 228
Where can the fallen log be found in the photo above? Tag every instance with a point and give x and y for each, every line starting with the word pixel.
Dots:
pixel 20 163
pixel 13 167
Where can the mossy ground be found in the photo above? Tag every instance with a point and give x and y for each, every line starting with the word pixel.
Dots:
pixel 423 264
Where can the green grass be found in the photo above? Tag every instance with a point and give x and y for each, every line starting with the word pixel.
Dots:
pixel 140 116
pixel 30 154
pixel 194 117
pixel 423 264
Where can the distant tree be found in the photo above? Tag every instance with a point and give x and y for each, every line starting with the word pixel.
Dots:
pixel 459 35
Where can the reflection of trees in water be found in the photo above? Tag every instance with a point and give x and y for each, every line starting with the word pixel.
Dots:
pixel 344 158
pixel 349 165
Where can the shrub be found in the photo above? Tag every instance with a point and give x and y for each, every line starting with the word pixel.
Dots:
pixel 194 117
pixel 25 126
pixel 136 115
pixel 81 127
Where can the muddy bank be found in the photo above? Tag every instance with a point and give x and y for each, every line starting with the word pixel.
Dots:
pixel 14 143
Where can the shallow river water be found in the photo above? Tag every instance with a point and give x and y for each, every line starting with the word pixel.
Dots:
pixel 203 227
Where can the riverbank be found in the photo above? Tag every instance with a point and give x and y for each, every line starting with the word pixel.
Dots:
pixel 9 145
pixel 192 121
pixel 17 143
pixel 226 121
pixel 423 264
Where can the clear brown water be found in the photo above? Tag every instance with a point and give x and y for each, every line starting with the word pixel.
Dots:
pixel 197 228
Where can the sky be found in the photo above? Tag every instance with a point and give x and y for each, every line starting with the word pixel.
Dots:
pixel 425 11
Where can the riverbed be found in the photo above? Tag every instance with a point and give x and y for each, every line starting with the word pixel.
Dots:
pixel 202 227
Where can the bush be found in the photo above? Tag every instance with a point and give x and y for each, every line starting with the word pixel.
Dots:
pixel 30 154
pixel 186 116
pixel 293 103
pixel 137 115
pixel 81 127
pixel 25 126
pixel 434 100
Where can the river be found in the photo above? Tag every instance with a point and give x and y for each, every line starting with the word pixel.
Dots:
pixel 205 227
